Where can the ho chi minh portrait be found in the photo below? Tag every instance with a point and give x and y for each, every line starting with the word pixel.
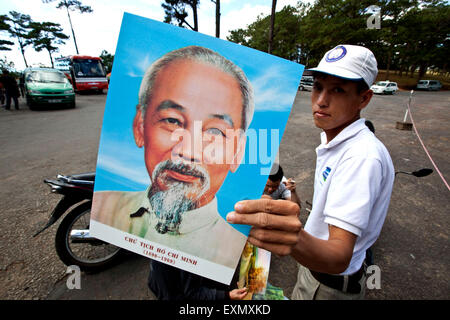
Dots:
pixel 193 104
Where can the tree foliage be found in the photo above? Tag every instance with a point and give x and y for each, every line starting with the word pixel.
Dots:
pixel 285 34
pixel 5 45
pixel 71 5
pixel 18 26
pixel 6 65
pixel 46 35
pixel 175 11
pixel 414 34
pixel 108 60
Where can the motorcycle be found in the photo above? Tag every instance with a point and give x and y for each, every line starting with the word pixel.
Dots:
pixel 73 242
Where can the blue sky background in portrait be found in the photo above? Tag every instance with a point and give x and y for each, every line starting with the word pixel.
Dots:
pixel 120 164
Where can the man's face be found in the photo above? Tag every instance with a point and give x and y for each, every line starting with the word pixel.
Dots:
pixel 192 106
pixel 336 103
pixel 271 186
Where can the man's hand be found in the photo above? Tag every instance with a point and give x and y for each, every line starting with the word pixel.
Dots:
pixel 238 294
pixel 290 184
pixel 275 223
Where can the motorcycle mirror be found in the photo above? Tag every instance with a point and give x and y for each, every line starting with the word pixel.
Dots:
pixel 422 172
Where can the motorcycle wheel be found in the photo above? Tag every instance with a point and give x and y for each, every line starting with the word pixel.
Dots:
pixel 90 256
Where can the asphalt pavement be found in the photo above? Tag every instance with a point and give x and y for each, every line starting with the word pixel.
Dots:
pixel 412 251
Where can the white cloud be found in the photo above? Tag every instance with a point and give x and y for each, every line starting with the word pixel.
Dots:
pixel 242 17
pixel 123 169
pixel 123 160
pixel 271 90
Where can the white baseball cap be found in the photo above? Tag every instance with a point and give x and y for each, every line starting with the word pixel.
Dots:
pixel 349 62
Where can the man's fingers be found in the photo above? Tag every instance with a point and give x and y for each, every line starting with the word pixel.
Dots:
pixel 265 220
pixel 275 236
pixel 279 249
pixel 278 207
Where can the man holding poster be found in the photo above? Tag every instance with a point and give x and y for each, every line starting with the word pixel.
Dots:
pixel 352 187
pixel 194 108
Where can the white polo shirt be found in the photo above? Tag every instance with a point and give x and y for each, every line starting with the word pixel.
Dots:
pixel 352 188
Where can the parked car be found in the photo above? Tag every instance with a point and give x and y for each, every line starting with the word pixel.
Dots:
pixel 429 85
pixel 46 86
pixel 306 83
pixel 384 87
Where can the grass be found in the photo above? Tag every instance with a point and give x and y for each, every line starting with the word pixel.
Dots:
pixel 408 83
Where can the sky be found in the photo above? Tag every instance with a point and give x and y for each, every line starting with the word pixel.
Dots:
pixel 99 30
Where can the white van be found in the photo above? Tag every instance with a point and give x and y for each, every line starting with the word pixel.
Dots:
pixel 385 87
pixel 429 85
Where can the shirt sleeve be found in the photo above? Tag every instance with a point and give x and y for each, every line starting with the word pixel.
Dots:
pixel 353 190
pixel 284 193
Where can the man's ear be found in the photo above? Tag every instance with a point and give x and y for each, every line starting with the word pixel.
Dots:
pixel 239 153
pixel 366 96
pixel 138 127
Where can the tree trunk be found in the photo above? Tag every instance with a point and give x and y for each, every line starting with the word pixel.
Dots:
pixel 51 59
pixel 73 33
pixel 194 10
pixel 413 68
pixel 23 54
pixel 388 64
pixel 217 18
pixel 272 24
pixel 422 70
pixel 20 45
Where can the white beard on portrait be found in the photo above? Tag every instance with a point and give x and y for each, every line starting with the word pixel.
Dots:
pixel 178 196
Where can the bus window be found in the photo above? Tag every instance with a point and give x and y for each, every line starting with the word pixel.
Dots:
pixel 88 68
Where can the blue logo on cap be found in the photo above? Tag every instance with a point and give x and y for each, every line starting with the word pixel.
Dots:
pixel 336 54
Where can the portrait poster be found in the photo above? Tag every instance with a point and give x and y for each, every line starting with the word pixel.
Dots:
pixel 191 126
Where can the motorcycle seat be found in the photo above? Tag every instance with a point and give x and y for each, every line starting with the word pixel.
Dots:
pixel 89 176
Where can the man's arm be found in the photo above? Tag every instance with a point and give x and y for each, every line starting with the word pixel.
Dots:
pixel 328 256
pixel 276 227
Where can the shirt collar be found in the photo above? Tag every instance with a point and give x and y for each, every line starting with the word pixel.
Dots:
pixel 199 218
pixel 348 132
pixel 143 202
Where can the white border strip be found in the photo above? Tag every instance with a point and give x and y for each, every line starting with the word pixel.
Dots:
pixel 82 80
pixel 161 253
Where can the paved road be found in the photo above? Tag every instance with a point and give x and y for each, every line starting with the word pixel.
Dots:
pixel 37 145
pixel 412 251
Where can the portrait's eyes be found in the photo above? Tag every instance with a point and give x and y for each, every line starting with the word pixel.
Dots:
pixel 215 131
pixel 171 122
pixel 338 90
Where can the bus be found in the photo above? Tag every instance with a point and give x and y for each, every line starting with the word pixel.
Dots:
pixel 85 72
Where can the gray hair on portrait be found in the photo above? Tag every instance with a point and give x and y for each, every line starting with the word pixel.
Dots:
pixel 205 56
